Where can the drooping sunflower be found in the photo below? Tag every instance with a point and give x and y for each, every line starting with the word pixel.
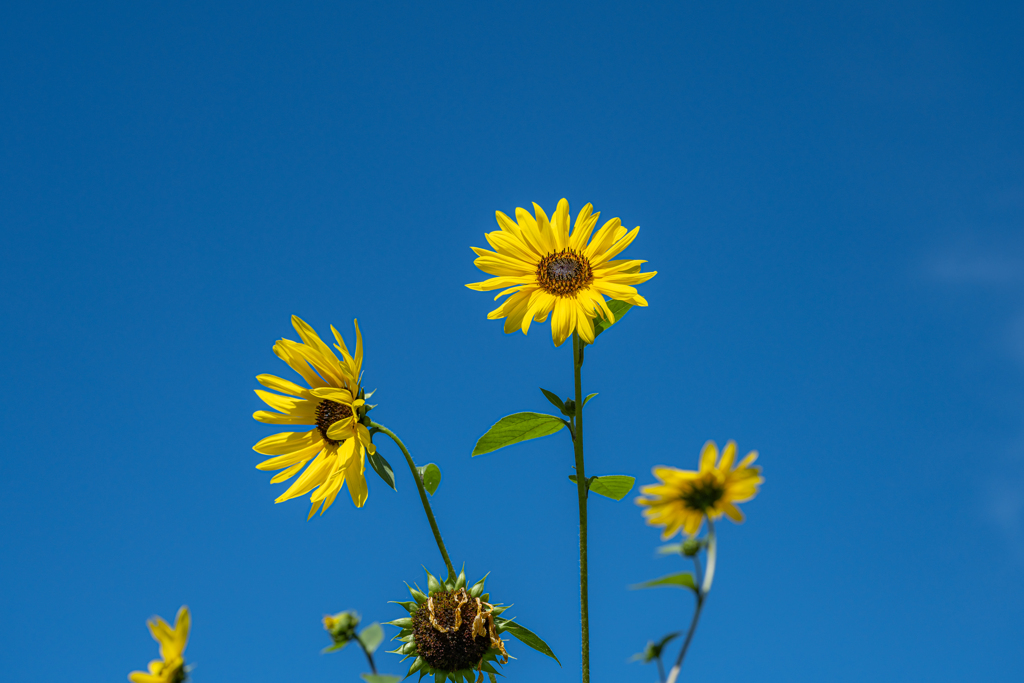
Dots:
pixel 335 404
pixel 544 270
pixel 684 497
pixel 453 632
pixel 170 668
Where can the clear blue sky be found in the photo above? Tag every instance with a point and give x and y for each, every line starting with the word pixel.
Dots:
pixel 833 197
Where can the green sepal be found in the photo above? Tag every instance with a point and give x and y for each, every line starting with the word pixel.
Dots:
pixel 431 476
pixel 404 622
pixel 417 595
pixel 486 597
pixel 488 668
pixel 460 580
pixel 410 607
pixel 682 579
pixel 618 309
pixel 433 585
pixel 526 636
pixel 498 609
pixel 553 397
pixel 515 428
pixel 478 587
pixel 490 675
pixel 416 665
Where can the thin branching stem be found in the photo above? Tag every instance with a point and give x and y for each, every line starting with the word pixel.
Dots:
pixel 702 593
pixel 369 655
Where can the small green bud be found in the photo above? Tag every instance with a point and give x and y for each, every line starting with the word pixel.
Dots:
pixel 342 626
pixel 692 546
pixel 569 409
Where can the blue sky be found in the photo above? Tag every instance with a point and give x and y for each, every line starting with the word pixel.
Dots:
pixel 833 197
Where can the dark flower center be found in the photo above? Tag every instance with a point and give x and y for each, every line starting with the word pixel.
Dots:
pixel 457 648
pixel 564 273
pixel 327 413
pixel 703 495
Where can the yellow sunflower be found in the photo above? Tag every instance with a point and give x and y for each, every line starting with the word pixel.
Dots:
pixel 170 668
pixel 334 404
pixel 685 497
pixel 548 271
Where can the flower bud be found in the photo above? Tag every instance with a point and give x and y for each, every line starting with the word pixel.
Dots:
pixel 692 546
pixel 342 626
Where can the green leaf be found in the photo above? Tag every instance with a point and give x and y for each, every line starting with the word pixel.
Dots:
pixel 551 396
pixel 614 486
pixel 380 678
pixel 515 428
pixel 382 468
pixel 587 399
pixel 372 636
pixel 618 309
pixel 670 549
pixel 527 636
pixel 431 475
pixel 333 648
pixel 682 579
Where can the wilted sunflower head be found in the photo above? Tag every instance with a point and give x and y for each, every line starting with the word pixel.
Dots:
pixel 452 631
pixel 547 270
pixel 684 497
pixel 334 406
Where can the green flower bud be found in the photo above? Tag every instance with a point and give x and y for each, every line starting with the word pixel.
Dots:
pixel 342 626
pixel 692 546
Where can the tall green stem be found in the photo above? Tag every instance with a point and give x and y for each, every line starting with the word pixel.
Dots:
pixel 581 492
pixel 423 495
pixel 702 594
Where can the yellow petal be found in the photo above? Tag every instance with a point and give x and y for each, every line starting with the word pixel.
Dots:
pixel 708 455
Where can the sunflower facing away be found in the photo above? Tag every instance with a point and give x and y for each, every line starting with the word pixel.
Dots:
pixel 334 405
pixel 684 497
pixel 545 270
pixel 170 668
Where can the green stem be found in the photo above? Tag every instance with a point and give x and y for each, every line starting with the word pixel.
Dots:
pixel 702 593
pixel 369 656
pixel 661 671
pixel 581 492
pixel 423 496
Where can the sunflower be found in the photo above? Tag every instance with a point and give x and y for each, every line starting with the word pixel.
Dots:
pixel 685 497
pixel 335 405
pixel 170 668
pixel 452 631
pixel 548 271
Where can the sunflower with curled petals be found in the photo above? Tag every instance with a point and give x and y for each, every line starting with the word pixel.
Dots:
pixel 544 270
pixel 684 497
pixel 170 668
pixel 334 451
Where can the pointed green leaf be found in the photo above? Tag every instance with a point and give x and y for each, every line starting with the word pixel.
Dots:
pixel 431 475
pixel 553 397
pixel 478 587
pixel 682 579
pixel 460 580
pixel 380 678
pixel 433 585
pixel 409 606
pixel 333 648
pixel 404 622
pixel 515 428
pixel 417 595
pixel 527 636
pixel 614 486
pixel 618 309
pixel 589 396
pixel 382 468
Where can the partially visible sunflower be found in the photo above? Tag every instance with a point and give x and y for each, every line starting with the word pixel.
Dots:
pixel 685 497
pixel 170 668
pixel 452 631
pixel 335 404
pixel 548 271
